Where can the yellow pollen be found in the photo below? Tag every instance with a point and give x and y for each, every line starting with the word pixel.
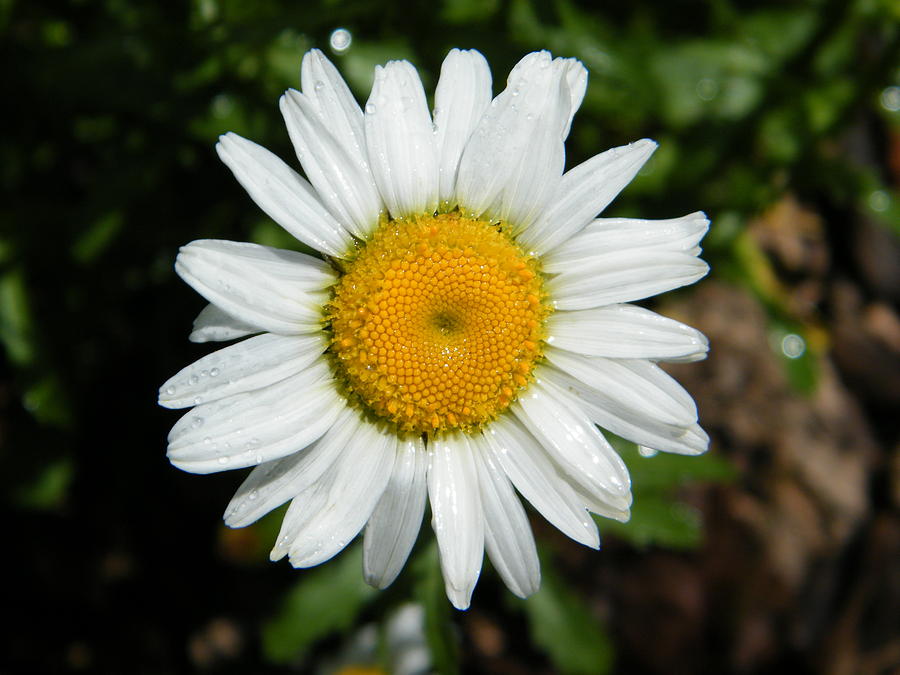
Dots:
pixel 437 322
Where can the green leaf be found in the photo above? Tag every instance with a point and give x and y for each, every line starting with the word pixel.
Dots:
pixel 468 11
pixel 49 489
pixel 91 244
pixel 429 591
pixel 667 471
pixel 47 402
pixel 563 626
pixel 703 79
pixel 357 65
pixel 15 319
pixel 657 517
pixel 657 521
pixel 325 601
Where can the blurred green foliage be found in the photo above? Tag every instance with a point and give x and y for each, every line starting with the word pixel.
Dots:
pixel 657 516
pixel 107 167
pixel 326 600
pixel 562 625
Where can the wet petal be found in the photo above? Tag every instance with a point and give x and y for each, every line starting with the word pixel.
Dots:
pixel 284 195
pixel 625 332
pixel 279 291
pixel 396 520
pixel 457 517
pixel 507 533
pixel 251 364
pixel 463 94
pixel 401 142
pixel 584 192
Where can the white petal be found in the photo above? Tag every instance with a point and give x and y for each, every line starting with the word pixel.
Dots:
pixel 272 484
pixel 254 363
pixel 457 517
pixel 577 79
pixel 400 139
pixel 395 522
pixel 507 533
pixel 344 182
pixel 625 332
pixel 306 506
pixel 285 196
pixel 535 476
pixel 606 235
pixel 214 325
pixel 323 85
pixel 361 474
pixel 514 159
pixel 623 276
pixel 635 387
pixel 584 192
pixel 303 509
pixel 557 420
pixel 463 94
pixel 256 427
pixel 644 429
pixel 616 509
pixel 279 291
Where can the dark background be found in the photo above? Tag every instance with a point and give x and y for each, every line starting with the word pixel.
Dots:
pixel 776 552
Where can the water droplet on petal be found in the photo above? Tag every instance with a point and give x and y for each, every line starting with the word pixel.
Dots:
pixel 224 459
pixel 214 372
pixel 170 390
pixel 370 109
pixel 193 379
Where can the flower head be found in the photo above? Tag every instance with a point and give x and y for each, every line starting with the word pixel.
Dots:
pixel 463 332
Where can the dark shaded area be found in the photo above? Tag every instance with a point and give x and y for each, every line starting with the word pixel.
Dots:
pixel 779 119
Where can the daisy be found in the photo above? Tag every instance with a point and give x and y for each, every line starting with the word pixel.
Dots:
pixel 461 335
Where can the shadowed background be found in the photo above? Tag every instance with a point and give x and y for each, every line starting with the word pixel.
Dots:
pixel 778 550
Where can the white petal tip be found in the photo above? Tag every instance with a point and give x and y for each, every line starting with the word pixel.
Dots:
pixel 378 582
pixel 461 599
pixel 193 467
pixel 531 587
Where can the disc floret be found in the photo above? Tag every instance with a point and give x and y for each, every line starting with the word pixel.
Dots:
pixel 437 323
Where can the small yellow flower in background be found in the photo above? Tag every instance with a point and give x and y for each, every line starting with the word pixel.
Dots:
pixel 463 333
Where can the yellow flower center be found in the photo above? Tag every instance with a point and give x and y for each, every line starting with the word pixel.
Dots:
pixel 437 322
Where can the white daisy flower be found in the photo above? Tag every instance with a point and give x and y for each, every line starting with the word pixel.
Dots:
pixel 463 333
